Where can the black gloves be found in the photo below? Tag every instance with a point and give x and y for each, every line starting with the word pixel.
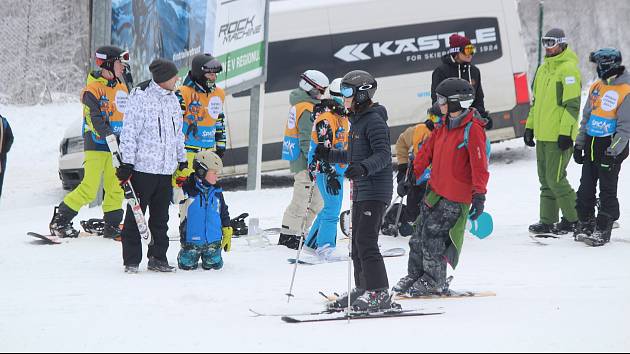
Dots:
pixel 402 172
pixel 478 204
pixel 124 172
pixel 403 188
pixel 565 142
pixel 486 115
pixel 578 156
pixel 355 171
pixel 322 153
pixel 332 184
pixel 529 138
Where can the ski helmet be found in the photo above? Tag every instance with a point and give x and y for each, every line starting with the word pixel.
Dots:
pixel 107 55
pixel 458 94
pixel 207 161
pixel 335 90
pixel 360 85
pixel 608 62
pixel 203 64
pixel 314 82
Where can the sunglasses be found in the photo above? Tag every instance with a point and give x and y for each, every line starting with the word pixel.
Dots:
pixel 551 42
pixel 469 50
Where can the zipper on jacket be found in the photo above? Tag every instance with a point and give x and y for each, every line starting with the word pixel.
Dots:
pixel 160 126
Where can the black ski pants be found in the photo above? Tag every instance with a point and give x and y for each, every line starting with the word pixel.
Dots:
pixel 414 200
pixel 154 192
pixel 369 268
pixel 3 166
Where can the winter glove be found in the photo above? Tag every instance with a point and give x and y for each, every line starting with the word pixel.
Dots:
pixel 181 176
pixel 182 166
pixel 402 172
pixel 226 240
pixel 322 153
pixel 355 171
pixel 403 188
pixel 565 142
pixel 608 162
pixel 489 123
pixel 578 156
pixel 332 184
pixel 478 204
pixel 124 172
pixel 529 138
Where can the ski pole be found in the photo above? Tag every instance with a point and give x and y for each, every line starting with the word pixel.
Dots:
pixel 299 250
pixel 350 250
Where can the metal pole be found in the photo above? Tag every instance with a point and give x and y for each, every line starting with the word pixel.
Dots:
pixel 254 158
pixel 541 8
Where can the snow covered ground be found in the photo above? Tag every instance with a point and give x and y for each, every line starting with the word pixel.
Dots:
pixel 75 296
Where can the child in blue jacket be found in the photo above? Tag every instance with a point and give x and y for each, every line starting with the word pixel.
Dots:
pixel 205 228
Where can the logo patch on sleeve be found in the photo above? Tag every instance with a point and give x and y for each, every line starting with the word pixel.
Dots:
pixel 570 80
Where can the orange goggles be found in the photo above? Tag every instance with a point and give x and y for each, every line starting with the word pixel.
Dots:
pixel 469 50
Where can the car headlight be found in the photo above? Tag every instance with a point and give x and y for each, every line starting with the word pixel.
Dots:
pixel 72 146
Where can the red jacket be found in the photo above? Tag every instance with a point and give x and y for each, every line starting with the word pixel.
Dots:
pixel 456 173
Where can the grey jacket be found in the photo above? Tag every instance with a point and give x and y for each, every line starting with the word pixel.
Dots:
pixel 369 144
pixel 305 126
pixel 152 138
pixel 622 136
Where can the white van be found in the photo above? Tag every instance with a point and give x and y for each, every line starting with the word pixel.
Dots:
pixel 400 42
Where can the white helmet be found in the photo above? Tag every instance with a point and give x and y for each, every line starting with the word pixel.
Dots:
pixel 335 90
pixel 314 82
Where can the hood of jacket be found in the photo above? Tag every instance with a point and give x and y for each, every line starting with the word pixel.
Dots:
pixel 298 95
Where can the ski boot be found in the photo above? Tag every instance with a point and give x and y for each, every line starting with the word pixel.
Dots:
pixel 327 253
pixel 373 301
pixel 111 228
pixel 342 301
pixel 289 241
pixel 404 284
pixel 598 238
pixel 156 265
pixel 61 223
pixel 132 269
pixel 541 229
pixel 564 227
pixel 584 229
pixel 422 288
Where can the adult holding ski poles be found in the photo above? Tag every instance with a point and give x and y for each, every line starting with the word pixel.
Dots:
pixel 152 147
pixel 370 169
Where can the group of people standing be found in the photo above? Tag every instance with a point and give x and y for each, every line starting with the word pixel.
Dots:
pixel 598 141
pixel 170 139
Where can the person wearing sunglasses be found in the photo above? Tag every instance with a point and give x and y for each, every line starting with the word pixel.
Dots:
pixel 602 146
pixel 458 155
pixel 202 108
pixel 553 123
pixel 458 63
pixel 295 149
pixel 370 168
pixel 104 102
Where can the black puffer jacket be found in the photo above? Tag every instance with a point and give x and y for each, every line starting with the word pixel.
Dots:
pixel 449 68
pixel 369 145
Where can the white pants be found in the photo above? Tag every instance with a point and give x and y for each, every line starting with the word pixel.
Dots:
pixel 294 215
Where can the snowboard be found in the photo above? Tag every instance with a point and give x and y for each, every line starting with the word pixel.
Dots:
pixel 547 239
pixel 130 193
pixel 48 239
pixel 390 253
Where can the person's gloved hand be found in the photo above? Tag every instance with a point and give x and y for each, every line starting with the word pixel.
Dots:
pixel 181 176
pixel 355 171
pixel 478 204
pixel 578 156
pixel 486 115
pixel 322 153
pixel 124 172
pixel 608 161
pixel 226 240
pixel 402 172
pixel 565 142
pixel 529 138
pixel 403 188
pixel 332 184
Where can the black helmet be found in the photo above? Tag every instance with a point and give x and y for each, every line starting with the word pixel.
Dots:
pixel 203 64
pixel 457 93
pixel 107 55
pixel 608 62
pixel 358 84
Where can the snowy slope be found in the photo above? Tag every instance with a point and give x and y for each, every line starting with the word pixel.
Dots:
pixel 75 297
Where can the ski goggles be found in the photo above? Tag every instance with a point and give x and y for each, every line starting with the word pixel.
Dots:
pixel 551 42
pixel 347 91
pixel 124 57
pixel 213 66
pixel 441 100
pixel 469 50
pixel 465 100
